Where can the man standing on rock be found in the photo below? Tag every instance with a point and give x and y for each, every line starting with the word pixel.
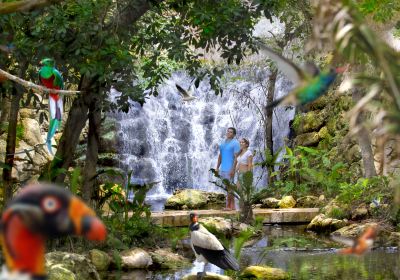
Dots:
pixel 225 166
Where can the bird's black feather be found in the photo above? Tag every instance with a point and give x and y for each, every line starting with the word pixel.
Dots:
pixel 221 258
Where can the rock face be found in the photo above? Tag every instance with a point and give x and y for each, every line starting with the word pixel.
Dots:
pixel 66 266
pixel 287 202
pixel 100 259
pixel 165 259
pixel 264 273
pixel 136 258
pixel 209 276
pixel 321 223
pixel 193 199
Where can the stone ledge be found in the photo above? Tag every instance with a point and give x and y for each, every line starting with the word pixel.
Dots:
pixel 271 216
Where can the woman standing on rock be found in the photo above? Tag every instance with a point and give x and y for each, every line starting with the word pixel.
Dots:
pixel 243 161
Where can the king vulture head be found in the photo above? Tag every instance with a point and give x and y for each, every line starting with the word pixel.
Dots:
pixel 37 213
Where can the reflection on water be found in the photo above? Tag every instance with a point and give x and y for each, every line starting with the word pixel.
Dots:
pixel 304 255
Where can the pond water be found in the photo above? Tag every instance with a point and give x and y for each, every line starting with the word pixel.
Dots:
pixel 304 255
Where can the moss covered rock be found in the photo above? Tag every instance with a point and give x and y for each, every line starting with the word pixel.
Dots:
pixel 70 266
pixel 309 201
pixel 307 139
pixel 190 198
pixel 287 202
pixel 165 259
pixel 270 202
pixel 321 223
pixel 264 273
pixel 100 259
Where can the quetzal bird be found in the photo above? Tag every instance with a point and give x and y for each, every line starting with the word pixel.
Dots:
pixel 208 248
pixel 37 213
pixel 310 84
pixel 51 78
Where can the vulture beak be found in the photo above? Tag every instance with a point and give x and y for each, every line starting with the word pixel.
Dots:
pixel 85 221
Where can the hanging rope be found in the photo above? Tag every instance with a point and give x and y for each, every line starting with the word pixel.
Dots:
pixel 36 87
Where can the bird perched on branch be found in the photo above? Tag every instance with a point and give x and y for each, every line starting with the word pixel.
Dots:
pixel 51 78
pixel 208 248
pixel 186 95
pixel 359 245
pixel 37 213
pixel 310 83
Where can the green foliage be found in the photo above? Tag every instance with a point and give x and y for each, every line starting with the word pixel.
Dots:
pixel 381 11
pixel 310 170
pixel 175 235
pixel 364 190
pixel 130 216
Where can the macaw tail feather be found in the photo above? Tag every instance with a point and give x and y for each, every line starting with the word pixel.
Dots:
pixel 54 123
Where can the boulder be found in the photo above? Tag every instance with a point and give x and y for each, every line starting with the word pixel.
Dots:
pixel 287 202
pixel 100 259
pixel 270 202
pixel 310 121
pixel 62 265
pixel 309 201
pixel 353 230
pixel 264 273
pixel 227 227
pixel 166 259
pixel 136 258
pixel 218 224
pixel 32 135
pixel 321 223
pixel 193 199
pixel 208 276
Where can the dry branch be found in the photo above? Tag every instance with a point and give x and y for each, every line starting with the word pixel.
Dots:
pixel 35 87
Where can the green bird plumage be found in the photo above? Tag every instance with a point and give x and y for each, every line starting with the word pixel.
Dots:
pixel 51 78
pixel 310 84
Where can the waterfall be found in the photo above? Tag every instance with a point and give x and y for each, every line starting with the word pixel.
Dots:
pixel 176 142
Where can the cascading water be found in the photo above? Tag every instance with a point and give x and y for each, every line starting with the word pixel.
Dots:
pixel 176 142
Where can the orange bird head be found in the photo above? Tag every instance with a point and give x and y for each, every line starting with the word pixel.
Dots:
pixel 37 213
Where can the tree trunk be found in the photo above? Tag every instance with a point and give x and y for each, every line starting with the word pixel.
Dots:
pixel 246 212
pixel 268 112
pixel 17 92
pixel 5 110
pixel 364 140
pixel 92 151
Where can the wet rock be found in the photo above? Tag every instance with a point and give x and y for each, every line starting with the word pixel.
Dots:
pixel 287 202
pixel 270 202
pixel 70 266
pixel 208 276
pixel 136 258
pixel 321 223
pixel 193 199
pixel 264 273
pixel 100 259
pixel 165 259
pixel 309 201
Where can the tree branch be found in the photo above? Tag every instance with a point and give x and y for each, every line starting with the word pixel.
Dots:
pixel 24 5
pixel 35 87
